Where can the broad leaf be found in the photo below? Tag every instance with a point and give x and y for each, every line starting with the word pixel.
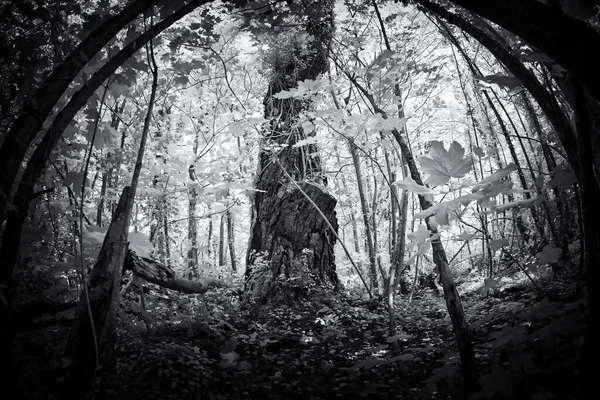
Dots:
pixel 498 243
pixel 409 184
pixel 442 164
pixel 562 178
pixel 305 142
pixel 442 214
pixel 465 236
pixel 549 254
pixel 478 151
pixel 495 177
pixel 436 176
pixel 418 237
pixel 521 203
pixel 452 205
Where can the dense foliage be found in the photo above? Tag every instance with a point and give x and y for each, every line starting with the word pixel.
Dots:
pixel 326 199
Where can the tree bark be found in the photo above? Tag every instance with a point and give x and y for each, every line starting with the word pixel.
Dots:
pixel 284 223
pixel 209 246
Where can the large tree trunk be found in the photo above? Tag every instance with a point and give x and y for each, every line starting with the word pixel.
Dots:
pixel 286 228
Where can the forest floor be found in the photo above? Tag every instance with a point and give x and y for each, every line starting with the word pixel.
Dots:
pixel 204 347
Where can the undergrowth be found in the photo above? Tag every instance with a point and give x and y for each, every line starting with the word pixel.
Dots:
pixel 221 345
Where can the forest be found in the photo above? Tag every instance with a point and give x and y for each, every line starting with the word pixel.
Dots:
pixel 299 199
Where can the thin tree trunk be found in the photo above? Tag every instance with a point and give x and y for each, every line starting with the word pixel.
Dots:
pixel 192 253
pixel 92 338
pixel 222 241
pixel 572 43
pixel 475 71
pixel 515 160
pixel 415 279
pixel 231 240
pixel 546 100
pixel 350 204
pixel 453 303
pixel 461 329
pixel 102 196
pixel 561 205
pixel 209 245
pixel 538 190
pixel 365 214
pixel 108 170
pixel 167 239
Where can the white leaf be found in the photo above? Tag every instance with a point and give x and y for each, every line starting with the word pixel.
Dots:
pixel 305 142
pixel 308 127
pixel 410 185
pixel 521 203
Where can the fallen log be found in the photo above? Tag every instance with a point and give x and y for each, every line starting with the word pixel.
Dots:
pixel 34 316
pixel 162 275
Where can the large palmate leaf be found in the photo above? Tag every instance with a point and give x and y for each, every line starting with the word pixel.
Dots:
pixel 442 164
